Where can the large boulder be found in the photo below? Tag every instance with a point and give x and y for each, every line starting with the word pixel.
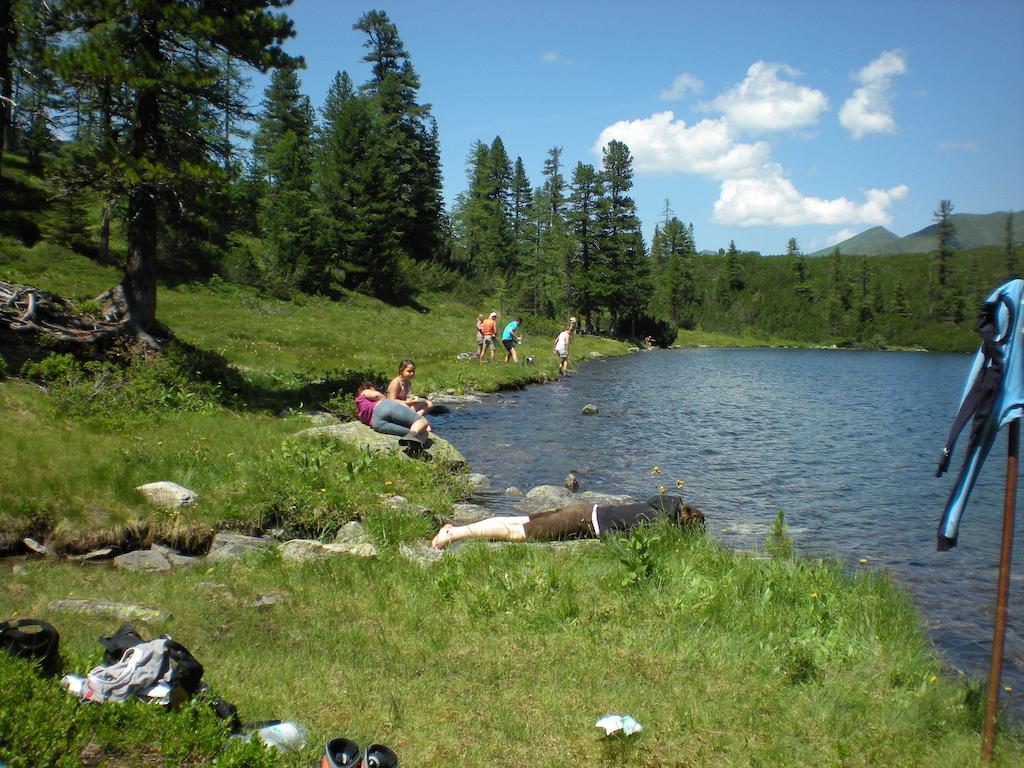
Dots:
pixel 547 497
pixel 361 436
pixel 167 495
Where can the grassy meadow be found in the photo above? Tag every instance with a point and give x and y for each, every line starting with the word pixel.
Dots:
pixel 496 656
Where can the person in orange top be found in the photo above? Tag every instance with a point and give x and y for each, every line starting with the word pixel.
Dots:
pixel 488 327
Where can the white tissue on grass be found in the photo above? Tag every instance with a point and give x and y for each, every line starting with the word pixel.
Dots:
pixel 615 723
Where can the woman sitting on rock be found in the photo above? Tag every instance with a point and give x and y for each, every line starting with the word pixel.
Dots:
pixel 400 388
pixel 576 520
pixel 390 417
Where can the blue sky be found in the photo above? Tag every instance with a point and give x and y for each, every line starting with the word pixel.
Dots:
pixel 758 121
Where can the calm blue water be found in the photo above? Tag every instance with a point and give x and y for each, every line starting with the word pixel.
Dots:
pixel 846 443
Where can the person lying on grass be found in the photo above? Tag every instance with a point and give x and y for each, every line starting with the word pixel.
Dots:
pixel 390 417
pixel 576 520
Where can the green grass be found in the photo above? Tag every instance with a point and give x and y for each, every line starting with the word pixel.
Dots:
pixel 508 656
pixel 494 657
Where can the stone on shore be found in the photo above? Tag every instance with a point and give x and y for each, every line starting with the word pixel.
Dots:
pixel 232 546
pixel 478 482
pixel 589 409
pixel 143 561
pixel 464 514
pixel 548 497
pixel 361 436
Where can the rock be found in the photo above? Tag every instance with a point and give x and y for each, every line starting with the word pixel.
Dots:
pixel 322 418
pixel 231 546
pixel 122 611
pixel 513 491
pixel 265 601
pixel 464 514
pixel 571 482
pixel 97 554
pixel 589 409
pixel 422 554
pixel 35 546
pixel 144 561
pixel 304 550
pixel 167 495
pixel 478 482
pixel 353 532
pixel 437 409
pixel 450 398
pixel 215 588
pixel 19 570
pixel 355 549
pixel 543 498
pixel 402 504
pixel 595 355
pixel 183 561
pixel 633 350
pixel 361 436
pixel 546 497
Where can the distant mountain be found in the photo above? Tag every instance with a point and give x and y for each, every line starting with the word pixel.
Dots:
pixel 972 230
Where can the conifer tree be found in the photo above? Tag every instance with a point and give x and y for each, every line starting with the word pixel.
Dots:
pixel 163 56
pixel 283 157
pixel 407 137
pixel 622 280
pixel 586 192
pixel 943 300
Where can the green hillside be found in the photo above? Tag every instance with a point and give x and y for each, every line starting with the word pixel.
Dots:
pixel 973 230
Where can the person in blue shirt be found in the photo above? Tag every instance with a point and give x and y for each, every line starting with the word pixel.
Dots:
pixel 509 339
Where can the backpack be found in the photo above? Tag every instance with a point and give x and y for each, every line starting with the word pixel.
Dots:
pixel 34 640
pixel 185 670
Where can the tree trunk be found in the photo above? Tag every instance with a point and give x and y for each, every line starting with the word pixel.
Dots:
pixel 141 230
pixel 7 38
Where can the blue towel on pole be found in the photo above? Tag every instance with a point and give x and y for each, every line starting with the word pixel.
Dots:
pixel 993 397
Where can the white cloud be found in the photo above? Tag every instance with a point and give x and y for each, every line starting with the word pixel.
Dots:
pixel 969 146
pixel 660 143
pixel 550 56
pixel 868 110
pixel 682 85
pixel 763 102
pixel 773 200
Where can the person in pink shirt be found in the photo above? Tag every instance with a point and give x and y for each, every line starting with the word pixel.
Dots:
pixel 390 417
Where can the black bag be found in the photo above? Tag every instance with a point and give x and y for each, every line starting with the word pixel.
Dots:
pixel 32 639
pixel 114 646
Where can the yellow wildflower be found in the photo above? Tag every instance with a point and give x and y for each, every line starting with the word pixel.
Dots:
pixel 680 483
pixel 655 470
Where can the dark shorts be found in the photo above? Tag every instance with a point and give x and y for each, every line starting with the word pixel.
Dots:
pixel 569 522
pixel 509 343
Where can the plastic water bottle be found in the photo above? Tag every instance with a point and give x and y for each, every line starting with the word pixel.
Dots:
pixel 283 736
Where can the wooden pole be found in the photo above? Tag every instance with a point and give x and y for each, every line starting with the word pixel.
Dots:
pixel 1002 593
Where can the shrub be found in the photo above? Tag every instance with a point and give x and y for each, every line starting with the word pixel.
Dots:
pixel 117 395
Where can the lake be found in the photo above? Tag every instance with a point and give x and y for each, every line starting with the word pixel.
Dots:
pixel 845 443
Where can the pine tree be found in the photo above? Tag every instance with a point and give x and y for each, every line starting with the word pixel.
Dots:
pixel 554 184
pixel 733 269
pixel 586 192
pixel 945 232
pixel 163 56
pixel 407 137
pixel 623 274
pixel 283 156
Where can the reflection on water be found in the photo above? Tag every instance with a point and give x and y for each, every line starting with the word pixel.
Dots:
pixel 846 443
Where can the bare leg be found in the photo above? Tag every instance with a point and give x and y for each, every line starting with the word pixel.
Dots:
pixel 420 426
pixel 493 528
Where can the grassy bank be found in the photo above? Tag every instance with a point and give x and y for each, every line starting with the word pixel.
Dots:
pixel 508 656
pixel 493 657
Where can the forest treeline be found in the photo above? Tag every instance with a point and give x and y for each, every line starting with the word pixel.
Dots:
pixel 137 117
